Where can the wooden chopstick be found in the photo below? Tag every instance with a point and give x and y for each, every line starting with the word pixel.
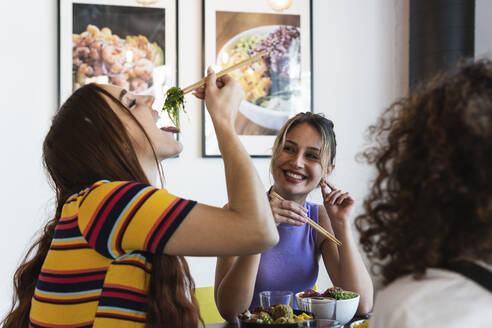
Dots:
pixel 313 224
pixel 226 71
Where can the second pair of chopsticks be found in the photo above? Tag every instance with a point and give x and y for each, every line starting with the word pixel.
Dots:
pixel 250 60
pixel 313 224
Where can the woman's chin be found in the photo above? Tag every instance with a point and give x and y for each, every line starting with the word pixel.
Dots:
pixel 170 153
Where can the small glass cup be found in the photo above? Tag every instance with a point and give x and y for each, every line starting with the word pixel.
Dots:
pixel 320 323
pixel 273 297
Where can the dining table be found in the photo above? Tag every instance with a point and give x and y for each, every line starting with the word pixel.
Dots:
pixel 230 325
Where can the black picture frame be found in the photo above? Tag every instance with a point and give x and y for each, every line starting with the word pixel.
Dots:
pixel 126 21
pixel 257 141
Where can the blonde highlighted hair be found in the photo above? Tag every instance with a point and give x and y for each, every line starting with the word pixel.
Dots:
pixel 324 127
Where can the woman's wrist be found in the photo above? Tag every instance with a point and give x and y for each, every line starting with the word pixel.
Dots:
pixel 341 227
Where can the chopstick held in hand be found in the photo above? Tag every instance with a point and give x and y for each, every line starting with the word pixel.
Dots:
pixel 313 224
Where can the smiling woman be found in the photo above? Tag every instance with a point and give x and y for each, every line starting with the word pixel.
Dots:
pixel 113 254
pixel 303 159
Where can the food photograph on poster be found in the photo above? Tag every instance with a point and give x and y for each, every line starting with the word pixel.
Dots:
pixel 118 42
pixel 276 87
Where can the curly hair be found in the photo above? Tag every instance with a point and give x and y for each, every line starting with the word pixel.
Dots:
pixel 431 200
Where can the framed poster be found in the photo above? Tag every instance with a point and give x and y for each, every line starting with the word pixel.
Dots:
pixel 276 87
pixel 121 42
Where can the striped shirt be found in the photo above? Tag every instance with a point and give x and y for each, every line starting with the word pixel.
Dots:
pixel 97 271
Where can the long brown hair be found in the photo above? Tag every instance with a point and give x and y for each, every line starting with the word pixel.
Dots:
pixel 87 142
pixel 431 200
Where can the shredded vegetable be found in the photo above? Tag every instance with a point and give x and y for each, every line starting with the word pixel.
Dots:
pixel 174 101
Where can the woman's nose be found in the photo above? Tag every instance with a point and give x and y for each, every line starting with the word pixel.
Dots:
pixel 298 161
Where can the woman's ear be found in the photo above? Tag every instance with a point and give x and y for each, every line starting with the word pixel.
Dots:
pixel 330 169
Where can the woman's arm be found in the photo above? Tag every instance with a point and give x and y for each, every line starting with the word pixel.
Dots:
pixel 235 279
pixel 247 225
pixel 343 263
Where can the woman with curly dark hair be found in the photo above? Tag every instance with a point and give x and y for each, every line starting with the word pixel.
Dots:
pixel 427 224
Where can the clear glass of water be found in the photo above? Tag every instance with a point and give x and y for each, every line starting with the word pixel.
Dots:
pixel 273 297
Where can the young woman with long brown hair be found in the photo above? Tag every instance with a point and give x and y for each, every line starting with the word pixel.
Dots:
pixel 427 225
pixel 112 256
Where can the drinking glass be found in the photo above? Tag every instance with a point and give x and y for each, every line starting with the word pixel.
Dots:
pixel 273 297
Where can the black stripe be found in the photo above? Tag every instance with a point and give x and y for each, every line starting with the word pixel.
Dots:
pixel 67 248
pixel 108 315
pixel 69 287
pixel 72 275
pixel 122 303
pixel 61 223
pixel 109 223
pixel 174 225
pixel 127 223
pixel 94 299
pixel 67 233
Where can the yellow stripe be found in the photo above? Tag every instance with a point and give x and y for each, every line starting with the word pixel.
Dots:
pixel 128 276
pixel 107 322
pixel 72 314
pixel 145 218
pixel 75 259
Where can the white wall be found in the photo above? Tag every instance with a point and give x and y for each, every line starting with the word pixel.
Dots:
pixel 360 67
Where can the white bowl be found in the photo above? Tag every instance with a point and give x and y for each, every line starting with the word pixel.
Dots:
pixel 327 308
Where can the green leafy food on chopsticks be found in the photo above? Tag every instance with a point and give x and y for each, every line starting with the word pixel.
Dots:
pixel 174 101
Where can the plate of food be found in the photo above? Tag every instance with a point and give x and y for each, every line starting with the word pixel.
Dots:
pixel 360 324
pixel 272 86
pixel 276 316
pixel 133 63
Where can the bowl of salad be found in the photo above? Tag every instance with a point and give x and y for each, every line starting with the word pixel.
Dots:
pixel 334 303
pixel 272 85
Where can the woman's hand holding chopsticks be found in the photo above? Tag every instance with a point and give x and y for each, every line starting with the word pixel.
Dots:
pixel 287 211
pixel 222 97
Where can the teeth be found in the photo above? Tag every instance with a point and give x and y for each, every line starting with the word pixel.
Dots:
pixel 293 175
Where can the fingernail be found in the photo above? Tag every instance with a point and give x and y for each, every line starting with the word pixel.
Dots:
pixel 210 70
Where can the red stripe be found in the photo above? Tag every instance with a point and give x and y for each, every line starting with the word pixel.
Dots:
pixel 66 226
pixel 158 221
pixel 123 295
pixel 168 222
pixel 68 246
pixel 128 218
pixel 67 218
pixel 132 289
pixel 71 280
pixel 94 216
pixel 103 216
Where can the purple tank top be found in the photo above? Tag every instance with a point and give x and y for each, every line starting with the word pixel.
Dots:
pixel 293 263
